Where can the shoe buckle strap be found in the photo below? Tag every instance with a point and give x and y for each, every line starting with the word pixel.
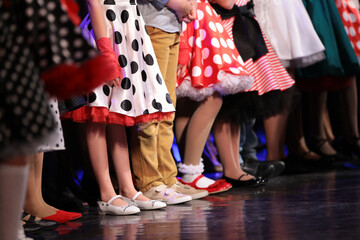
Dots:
pixel 136 196
pixel 113 199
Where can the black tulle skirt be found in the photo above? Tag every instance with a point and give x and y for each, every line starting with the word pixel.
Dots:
pixel 240 107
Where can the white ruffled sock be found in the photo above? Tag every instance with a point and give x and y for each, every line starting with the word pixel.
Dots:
pixel 191 172
pixel 13 181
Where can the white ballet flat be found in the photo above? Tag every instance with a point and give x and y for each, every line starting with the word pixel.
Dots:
pixel 145 205
pixel 108 208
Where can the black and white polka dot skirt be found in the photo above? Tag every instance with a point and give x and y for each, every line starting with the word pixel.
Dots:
pixel 142 95
pixel 56 141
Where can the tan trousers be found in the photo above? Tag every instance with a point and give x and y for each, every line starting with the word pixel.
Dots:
pixel 152 161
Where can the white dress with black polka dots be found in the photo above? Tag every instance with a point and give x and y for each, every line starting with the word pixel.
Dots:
pixel 56 142
pixel 142 95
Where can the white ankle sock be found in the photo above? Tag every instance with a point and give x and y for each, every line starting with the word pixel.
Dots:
pixel 13 181
pixel 190 172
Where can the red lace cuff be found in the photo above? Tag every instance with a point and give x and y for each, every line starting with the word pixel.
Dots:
pixel 105 48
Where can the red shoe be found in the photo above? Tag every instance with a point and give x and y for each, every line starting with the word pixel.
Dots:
pixel 217 187
pixel 62 216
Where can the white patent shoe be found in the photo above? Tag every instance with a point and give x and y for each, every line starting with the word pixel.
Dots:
pixel 145 205
pixel 108 208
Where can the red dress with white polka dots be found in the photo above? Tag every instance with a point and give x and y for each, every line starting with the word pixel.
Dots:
pixel 351 20
pixel 213 63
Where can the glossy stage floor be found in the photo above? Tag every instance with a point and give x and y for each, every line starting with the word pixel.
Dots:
pixel 309 206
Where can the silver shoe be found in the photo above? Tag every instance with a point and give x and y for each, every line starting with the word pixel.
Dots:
pixel 108 208
pixel 145 205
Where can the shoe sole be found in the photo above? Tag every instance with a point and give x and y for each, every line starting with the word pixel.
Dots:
pixel 220 191
pixel 179 200
pixel 199 195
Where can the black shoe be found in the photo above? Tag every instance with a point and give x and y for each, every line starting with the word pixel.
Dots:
pixel 32 228
pixel 328 161
pixel 263 169
pixel 279 166
pixel 298 165
pixel 238 183
pixel 350 148
pixel 255 168
pixel 32 221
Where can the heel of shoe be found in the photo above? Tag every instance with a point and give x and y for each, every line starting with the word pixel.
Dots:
pixel 100 209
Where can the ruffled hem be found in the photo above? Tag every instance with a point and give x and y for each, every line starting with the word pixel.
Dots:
pixel 103 115
pixel 303 61
pixel 228 84
pixel 23 147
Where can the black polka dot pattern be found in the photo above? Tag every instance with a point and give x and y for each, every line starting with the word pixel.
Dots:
pixel 159 79
pixel 126 105
pixel 126 83
pixel 122 61
pixel 137 26
pixel 92 97
pixel 110 15
pixel 118 37
pixel 149 60
pixel 135 45
pixel 106 90
pixel 134 67
pixel 124 16
pixel 143 76
pixel 142 89
pixel 109 2
pixel 168 98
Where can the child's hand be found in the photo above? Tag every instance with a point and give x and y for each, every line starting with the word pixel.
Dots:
pixel 180 70
pixel 181 7
pixel 115 82
pixel 192 15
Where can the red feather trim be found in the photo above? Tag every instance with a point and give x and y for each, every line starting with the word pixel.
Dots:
pixel 66 80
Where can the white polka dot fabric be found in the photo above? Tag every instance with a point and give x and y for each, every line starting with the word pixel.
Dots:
pixel 34 37
pixel 214 64
pixel 351 19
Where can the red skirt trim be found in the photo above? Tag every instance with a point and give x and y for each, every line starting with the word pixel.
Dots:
pixel 103 115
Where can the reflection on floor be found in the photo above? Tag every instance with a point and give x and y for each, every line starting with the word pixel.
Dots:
pixel 312 206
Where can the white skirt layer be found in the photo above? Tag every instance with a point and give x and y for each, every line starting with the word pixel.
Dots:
pixel 229 84
pixel 289 29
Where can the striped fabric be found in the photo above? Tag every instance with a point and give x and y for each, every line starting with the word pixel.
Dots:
pixel 267 71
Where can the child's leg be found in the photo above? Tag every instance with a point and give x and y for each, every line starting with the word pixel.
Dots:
pixel 349 106
pixel 274 130
pixel 34 202
pixel 295 136
pixel 199 128
pixel 317 105
pixel 97 146
pixel 119 150
pixel 197 132
pixel 184 110
pixel 227 137
pixel 13 178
